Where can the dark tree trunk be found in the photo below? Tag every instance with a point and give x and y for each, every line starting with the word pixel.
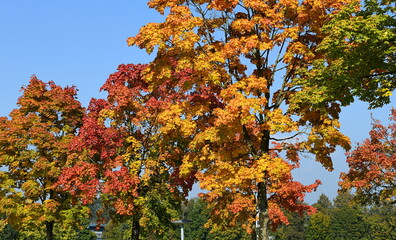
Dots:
pixel 49 230
pixel 135 230
pixel 262 199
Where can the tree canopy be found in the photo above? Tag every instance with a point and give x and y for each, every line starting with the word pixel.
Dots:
pixel 372 165
pixel 258 97
pixel 128 151
pixel 34 144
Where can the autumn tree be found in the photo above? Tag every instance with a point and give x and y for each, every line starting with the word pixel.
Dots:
pixel 259 97
pixel 372 165
pixel 129 151
pixel 33 149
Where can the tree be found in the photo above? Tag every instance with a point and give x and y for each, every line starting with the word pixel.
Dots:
pixel 323 204
pixel 127 152
pixel 360 49
pixel 295 230
pixel 85 235
pixel 382 221
pixel 319 223
pixel 348 223
pixel 319 227
pixel 372 165
pixel 256 99
pixel 197 211
pixel 347 219
pixel 33 149
pixel 117 230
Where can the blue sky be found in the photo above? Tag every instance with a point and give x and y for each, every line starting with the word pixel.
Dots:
pixel 74 42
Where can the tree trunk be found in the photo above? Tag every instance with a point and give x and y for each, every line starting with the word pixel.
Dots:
pixel 262 231
pixel 135 229
pixel 49 230
pixel 262 200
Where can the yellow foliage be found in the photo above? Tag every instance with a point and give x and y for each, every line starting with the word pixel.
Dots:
pixel 253 60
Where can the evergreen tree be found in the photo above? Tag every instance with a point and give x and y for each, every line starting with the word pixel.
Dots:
pixel 382 220
pixel 319 227
pixel 323 204
pixel 295 230
pixel 319 224
pixel 348 223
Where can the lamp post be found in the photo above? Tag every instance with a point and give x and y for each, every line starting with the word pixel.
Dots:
pixel 181 223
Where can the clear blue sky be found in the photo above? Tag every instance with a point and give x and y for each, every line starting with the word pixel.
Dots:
pixel 81 42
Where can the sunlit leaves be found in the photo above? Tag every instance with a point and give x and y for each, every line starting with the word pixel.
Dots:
pixel 360 49
pixel 129 149
pixel 250 63
pixel 34 144
pixel 373 165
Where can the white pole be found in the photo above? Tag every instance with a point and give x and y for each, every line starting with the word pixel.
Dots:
pixel 182 232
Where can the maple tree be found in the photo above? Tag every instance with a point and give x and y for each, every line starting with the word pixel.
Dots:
pixel 360 50
pixel 372 165
pixel 33 149
pixel 258 95
pixel 129 151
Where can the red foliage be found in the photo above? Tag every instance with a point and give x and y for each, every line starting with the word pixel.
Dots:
pixel 121 152
pixel 373 164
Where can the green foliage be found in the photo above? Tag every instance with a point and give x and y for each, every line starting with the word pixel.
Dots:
pixel 360 48
pixel 85 235
pixel 323 204
pixel 295 230
pixel 341 220
pixel 343 200
pixel 319 227
pixel 8 233
pixel 382 221
pixel 117 231
pixel 319 223
pixel 72 224
pixel 198 212
pixel 348 223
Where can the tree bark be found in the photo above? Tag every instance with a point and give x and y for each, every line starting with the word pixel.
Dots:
pixel 262 231
pixel 49 230
pixel 135 229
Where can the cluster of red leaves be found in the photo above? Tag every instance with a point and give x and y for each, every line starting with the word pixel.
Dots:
pixel 80 180
pixel 290 196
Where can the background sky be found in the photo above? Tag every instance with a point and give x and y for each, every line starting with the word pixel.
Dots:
pixel 74 42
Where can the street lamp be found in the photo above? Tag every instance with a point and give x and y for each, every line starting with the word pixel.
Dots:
pixel 181 223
